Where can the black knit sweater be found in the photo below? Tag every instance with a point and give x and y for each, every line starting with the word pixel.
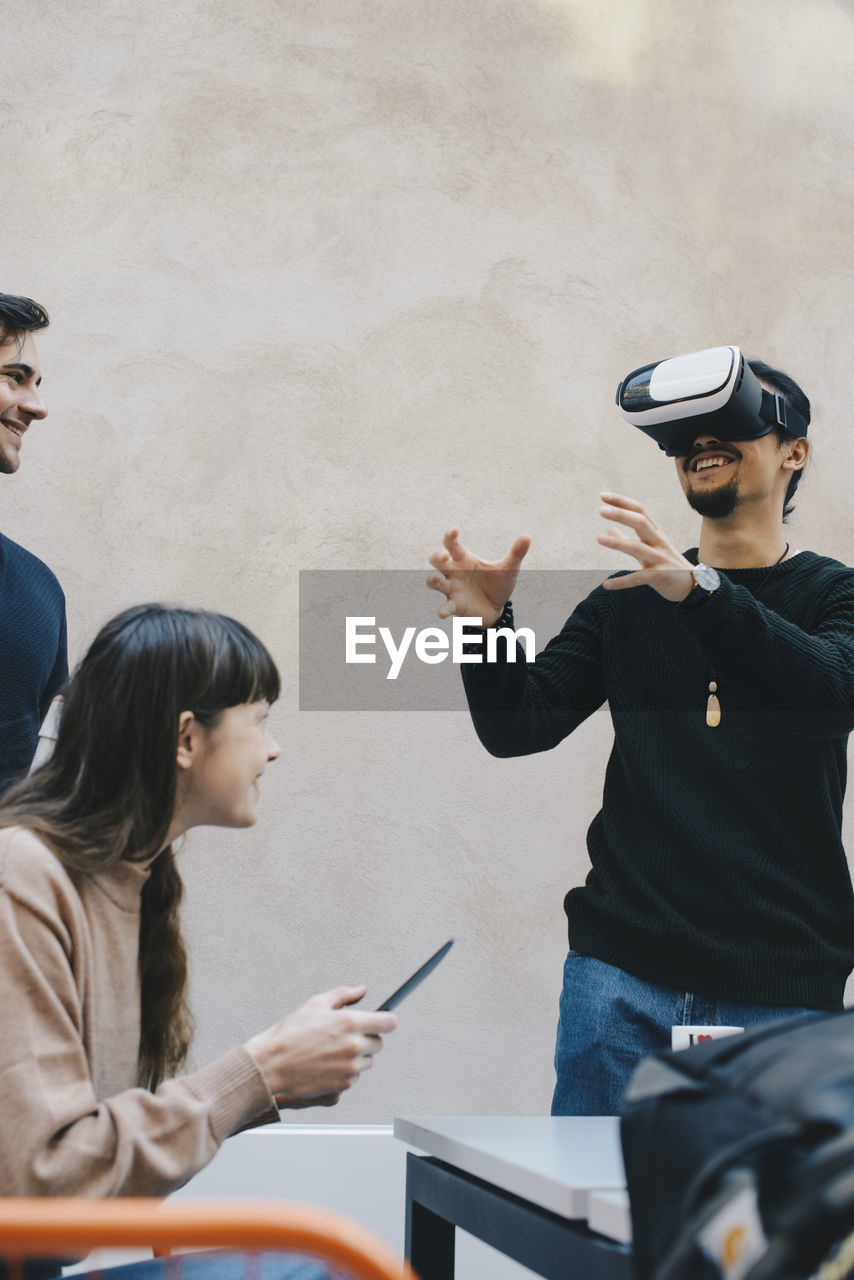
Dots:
pixel 717 859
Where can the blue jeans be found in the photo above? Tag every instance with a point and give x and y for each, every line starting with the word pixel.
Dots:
pixel 200 1266
pixel 610 1020
pixel 223 1266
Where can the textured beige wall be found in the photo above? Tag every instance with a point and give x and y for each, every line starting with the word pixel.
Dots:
pixel 326 277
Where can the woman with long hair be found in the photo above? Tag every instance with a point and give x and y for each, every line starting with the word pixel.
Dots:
pixel 164 728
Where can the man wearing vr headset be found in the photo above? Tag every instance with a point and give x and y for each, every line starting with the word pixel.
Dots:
pixel 719 891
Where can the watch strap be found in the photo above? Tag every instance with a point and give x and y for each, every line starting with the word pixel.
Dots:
pixel 696 596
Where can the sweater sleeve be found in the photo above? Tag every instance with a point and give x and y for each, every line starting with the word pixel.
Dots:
pixel 803 677
pixel 519 707
pixel 56 1136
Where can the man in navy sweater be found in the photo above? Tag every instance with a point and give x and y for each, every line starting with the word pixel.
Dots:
pixel 33 657
pixel 719 891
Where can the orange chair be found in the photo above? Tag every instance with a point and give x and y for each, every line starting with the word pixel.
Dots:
pixel 48 1227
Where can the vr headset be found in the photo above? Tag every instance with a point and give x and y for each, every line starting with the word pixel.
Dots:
pixel 713 391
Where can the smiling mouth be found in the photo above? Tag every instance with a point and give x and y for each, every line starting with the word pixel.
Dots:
pixel 16 431
pixel 710 462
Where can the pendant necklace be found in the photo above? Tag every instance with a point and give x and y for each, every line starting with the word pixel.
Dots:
pixel 713 706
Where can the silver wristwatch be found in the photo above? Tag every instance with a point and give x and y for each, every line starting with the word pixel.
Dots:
pixel 706 582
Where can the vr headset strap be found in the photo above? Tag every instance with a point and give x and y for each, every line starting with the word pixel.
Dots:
pixel 775 409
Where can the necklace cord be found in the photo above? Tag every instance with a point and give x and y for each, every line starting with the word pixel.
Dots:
pixel 713 706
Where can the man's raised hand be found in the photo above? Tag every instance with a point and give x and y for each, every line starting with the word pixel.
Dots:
pixel 662 566
pixel 474 588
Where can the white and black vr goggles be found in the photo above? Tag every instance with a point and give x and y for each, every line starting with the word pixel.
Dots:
pixel 712 391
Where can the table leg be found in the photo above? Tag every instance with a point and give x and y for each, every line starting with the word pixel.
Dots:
pixel 429 1242
pixel 549 1245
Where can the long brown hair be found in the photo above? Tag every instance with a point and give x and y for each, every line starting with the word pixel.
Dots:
pixel 108 791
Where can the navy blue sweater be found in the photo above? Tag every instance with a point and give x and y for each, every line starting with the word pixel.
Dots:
pixel 33 657
pixel 717 858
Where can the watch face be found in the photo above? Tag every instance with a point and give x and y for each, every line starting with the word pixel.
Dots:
pixel 706 577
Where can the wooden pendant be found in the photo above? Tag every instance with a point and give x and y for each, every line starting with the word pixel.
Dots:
pixel 713 707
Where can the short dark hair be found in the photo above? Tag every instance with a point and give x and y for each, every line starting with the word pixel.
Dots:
pixel 796 397
pixel 20 315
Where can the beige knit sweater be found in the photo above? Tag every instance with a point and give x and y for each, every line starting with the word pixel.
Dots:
pixel 72 1119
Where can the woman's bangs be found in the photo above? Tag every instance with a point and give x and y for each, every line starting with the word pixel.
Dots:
pixel 244 670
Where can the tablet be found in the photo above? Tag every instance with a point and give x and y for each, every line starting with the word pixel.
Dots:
pixel 417 978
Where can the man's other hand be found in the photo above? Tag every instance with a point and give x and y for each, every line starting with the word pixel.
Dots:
pixel 474 588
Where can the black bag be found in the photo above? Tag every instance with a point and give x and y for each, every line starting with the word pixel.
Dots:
pixel 739 1155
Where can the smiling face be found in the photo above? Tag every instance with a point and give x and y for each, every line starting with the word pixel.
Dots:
pixel 717 477
pixel 20 402
pixel 221 766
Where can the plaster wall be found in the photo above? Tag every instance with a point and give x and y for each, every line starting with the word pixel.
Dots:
pixel 327 277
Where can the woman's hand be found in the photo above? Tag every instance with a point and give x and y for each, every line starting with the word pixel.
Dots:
pixel 315 1053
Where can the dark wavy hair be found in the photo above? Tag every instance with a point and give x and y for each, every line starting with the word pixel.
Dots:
pixel 795 396
pixel 108 792
pixel 20 315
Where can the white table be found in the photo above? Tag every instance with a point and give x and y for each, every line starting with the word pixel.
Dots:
pixel 527 1185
